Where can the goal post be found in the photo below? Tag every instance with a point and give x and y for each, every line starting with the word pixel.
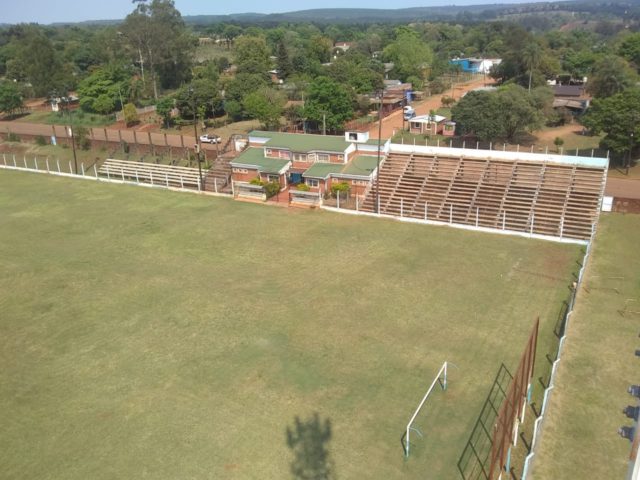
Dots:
pixel 440 378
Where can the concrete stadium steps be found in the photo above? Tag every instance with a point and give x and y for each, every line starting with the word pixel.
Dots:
pixel 217 178
pixel 522 196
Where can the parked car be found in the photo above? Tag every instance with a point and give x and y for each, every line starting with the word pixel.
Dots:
pixel 409 112
pixel 210 139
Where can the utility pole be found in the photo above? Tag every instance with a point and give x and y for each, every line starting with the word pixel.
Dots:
pixel 324 124
pixel 71 135
pixel 377 207
pixel 195 132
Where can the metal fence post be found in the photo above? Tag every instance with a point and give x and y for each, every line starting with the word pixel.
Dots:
pixel 181 182
pixel 215 184
pixel 35 162
pixel 70 169
pixel 401 207
pixel 357 203
pixel 451 213
pixel 533 218
pixel 24 159
pixel 426 211
pixel 108 174
pixel 95 170
pixel 151 177
pixel 338 195
pixel 477 215
pixel 137 177
pixel 4 159
pixel 58 163
pixel 82 167
pixel 504 219
pixel 47 162
pixel 166 178
pixel 122 174
pixel 14 160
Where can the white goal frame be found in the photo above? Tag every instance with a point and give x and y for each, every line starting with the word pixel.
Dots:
pixel 442 373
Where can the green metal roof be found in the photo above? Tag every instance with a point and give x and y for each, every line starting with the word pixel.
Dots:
pixel 361 165
pixel 301 142
pixel 254 157
pixel 322 170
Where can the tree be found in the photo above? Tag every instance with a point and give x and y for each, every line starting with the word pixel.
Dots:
pixel 518 111
pixel 478 113
pixel 229 34
pixel 558 142
pixel 252 55
pixel 206 96
pixel 164 108
pixel 160 42
pixel 284 64
pixel 610 75
pixel 10 98
pixel 130 114
pixel 103 90
pixel 618 116
pixel 237 89
pixel 357 71
pixel 329 102
pixel 532 55
pixel 630 49
pixel 265 105
pixel 408 53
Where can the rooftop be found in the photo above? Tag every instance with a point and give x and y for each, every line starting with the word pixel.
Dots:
pixel 361 165
pixel 301 142
pixel 254 157
pixel 323 170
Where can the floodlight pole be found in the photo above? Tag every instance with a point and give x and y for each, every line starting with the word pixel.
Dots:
pixel 379 146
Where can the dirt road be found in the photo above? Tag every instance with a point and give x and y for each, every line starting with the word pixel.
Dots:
pixel 623 188
pixel 393 123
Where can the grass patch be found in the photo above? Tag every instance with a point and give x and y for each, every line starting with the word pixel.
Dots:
pixel 153 333
pixel 598 364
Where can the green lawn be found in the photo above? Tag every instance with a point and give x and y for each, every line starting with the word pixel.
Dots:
pixel 153 334
pixel 598 364
pixel 78 118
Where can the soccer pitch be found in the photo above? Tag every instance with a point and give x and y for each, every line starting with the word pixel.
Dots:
pixel 155 334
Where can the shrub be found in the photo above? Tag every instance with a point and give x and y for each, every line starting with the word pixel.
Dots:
pixel 130 114
pixel 271 189
pixel 257 181
pixel 303 187
pixel 12 137
pixel 339 188
pixel 40 140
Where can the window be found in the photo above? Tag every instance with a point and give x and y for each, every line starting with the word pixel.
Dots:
pixel 299 157
pixel 273 178
pixel 353 136
pixel 323 157
pixel 312 182
pixel 268 152
pixel 240 170
pixel 361 183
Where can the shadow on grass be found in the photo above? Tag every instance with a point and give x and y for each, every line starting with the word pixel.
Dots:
pixel 309 441
pixel 474 460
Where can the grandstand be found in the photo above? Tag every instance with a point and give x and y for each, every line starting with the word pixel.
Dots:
pixel 548 195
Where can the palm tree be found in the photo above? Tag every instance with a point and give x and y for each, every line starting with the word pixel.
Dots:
pixel 532 54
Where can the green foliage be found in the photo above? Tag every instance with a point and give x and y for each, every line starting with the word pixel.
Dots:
pixel 266 105
pixel 252 55
pixel 630 49
pixel 502 114
pixel 81 137
pixel 341 187
pixel 41 141
pixel 257 181
pixel 303 187
pixel 157 33
pixel 12 137
pixel 610 75
pixel 331 100
pixel 206 96
pixel 130 115
pixel 409 54
pixel 10 98
pixel 558 142
pixel 618 116
pixel 357 71
pixel 163 108
pixel 102 91
pixel 271 189
pixel 237 89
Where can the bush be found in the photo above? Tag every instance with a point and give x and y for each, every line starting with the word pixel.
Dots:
pixel 257 181
pixel 448 101
pixel 303 187
pixel 41 141
pixel 130 115
pixel 12 137
pixel 271 189
pixel 339 188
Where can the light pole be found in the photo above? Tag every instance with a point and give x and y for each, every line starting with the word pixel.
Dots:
pixel 195 132
pixel 379 146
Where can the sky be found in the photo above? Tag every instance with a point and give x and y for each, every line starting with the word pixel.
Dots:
pixel 52 11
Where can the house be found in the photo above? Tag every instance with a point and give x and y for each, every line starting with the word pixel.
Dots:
pixel 275 77
pixel 476 65
pixel 427 124
pixel 343 46
pixel 71 102
pixel 396 95
pixel 571 97
pixel 316 160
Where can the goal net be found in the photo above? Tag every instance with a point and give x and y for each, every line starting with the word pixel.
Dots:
pixel 440 379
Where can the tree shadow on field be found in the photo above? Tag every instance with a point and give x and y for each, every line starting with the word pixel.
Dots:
pixel 309 441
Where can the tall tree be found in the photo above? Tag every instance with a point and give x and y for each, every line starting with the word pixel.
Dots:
pixel 10 98
pixel 160 42
pixel 252 55
pixel 618 116
pixel 408 53
pixel 266 105
pixel 329 103
pixel 610 75
pixel 532 55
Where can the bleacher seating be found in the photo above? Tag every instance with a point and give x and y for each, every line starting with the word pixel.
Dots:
pixel 167 175
pixel 539 197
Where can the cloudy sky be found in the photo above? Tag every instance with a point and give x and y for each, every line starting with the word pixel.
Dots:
pixel 48 11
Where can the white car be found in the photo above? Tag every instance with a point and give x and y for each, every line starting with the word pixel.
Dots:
pixel 409 112
pixel 210 139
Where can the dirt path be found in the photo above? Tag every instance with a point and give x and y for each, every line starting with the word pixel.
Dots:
pixel 623 188
pixel 393 123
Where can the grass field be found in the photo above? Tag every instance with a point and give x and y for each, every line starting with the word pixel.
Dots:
pixel 153 334
pixel 78 118
pixel 598 364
